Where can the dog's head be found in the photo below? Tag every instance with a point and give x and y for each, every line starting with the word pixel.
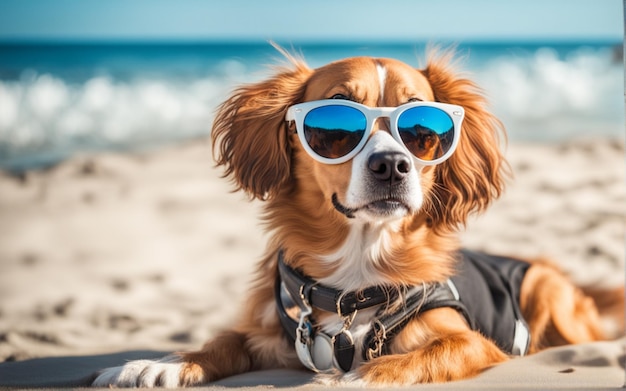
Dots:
pixel 383 183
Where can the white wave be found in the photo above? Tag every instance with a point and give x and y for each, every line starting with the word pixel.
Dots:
pixel 39 113
pixel 544 97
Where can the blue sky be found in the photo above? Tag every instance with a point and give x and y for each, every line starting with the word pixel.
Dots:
pixel 311 20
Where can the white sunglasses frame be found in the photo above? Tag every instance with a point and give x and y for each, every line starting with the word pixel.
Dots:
pixel 298 113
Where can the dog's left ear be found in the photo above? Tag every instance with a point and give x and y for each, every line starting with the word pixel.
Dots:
pixel 249 133
pixel 475 173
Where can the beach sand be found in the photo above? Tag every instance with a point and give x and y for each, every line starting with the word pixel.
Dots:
pixel 116 252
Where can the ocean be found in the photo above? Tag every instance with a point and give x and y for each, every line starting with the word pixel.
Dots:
pixel 57 100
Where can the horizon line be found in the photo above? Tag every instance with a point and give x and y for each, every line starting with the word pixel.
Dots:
pixel 301 41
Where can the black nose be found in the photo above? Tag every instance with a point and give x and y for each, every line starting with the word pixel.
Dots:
pixel 390 167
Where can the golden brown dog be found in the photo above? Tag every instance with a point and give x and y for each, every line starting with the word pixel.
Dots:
pixel 378 229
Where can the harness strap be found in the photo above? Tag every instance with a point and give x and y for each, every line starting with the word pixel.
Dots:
pixel 289 325
pixel 386 327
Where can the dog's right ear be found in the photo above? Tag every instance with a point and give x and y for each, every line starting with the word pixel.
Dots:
pixel 250 134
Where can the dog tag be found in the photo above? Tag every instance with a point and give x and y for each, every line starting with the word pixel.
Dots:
pixel 343 344
pixel 322 352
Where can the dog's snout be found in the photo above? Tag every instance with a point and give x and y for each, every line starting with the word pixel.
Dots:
pixel 390 167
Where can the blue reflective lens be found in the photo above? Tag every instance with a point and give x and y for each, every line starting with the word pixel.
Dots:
pixel 427 132
pixel 334 131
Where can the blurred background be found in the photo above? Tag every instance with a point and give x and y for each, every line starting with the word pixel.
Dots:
pixel 83 75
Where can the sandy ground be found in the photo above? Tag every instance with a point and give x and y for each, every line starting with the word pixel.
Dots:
pixel 115 252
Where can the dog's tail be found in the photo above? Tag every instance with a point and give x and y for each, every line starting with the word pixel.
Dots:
pixel 611 303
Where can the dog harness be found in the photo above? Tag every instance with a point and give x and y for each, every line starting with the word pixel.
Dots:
pixel 485 291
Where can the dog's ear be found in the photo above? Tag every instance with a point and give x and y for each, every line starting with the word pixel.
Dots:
pixel 250 134
pixel 475 173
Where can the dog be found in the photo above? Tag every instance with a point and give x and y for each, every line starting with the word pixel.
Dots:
pixel 367 168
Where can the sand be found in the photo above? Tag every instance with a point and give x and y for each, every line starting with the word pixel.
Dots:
pixel 118 252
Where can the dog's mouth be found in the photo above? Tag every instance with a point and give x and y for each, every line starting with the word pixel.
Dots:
pixel 385 207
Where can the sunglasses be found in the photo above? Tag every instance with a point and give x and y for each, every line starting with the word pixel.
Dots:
pixel 333 131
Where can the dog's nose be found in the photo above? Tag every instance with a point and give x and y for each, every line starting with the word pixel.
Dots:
pixel 390 167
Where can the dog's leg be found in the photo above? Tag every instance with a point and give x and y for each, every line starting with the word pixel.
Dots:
pixel 611 303
pixel 451 357
pixel 257 343
pixel 557 312
pixel 225 355
pixel 446 350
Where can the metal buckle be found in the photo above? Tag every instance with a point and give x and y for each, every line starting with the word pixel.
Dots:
pixel 379 340
pixel 304 333
pixel 338 304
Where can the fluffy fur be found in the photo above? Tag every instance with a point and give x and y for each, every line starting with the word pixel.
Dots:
pixel 400 235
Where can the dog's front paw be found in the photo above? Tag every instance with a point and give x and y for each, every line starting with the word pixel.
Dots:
pixel 169 372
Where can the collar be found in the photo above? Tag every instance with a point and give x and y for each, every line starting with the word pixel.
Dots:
pixel 305 290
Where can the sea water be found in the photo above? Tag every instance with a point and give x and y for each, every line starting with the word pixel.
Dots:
pixel 60 99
